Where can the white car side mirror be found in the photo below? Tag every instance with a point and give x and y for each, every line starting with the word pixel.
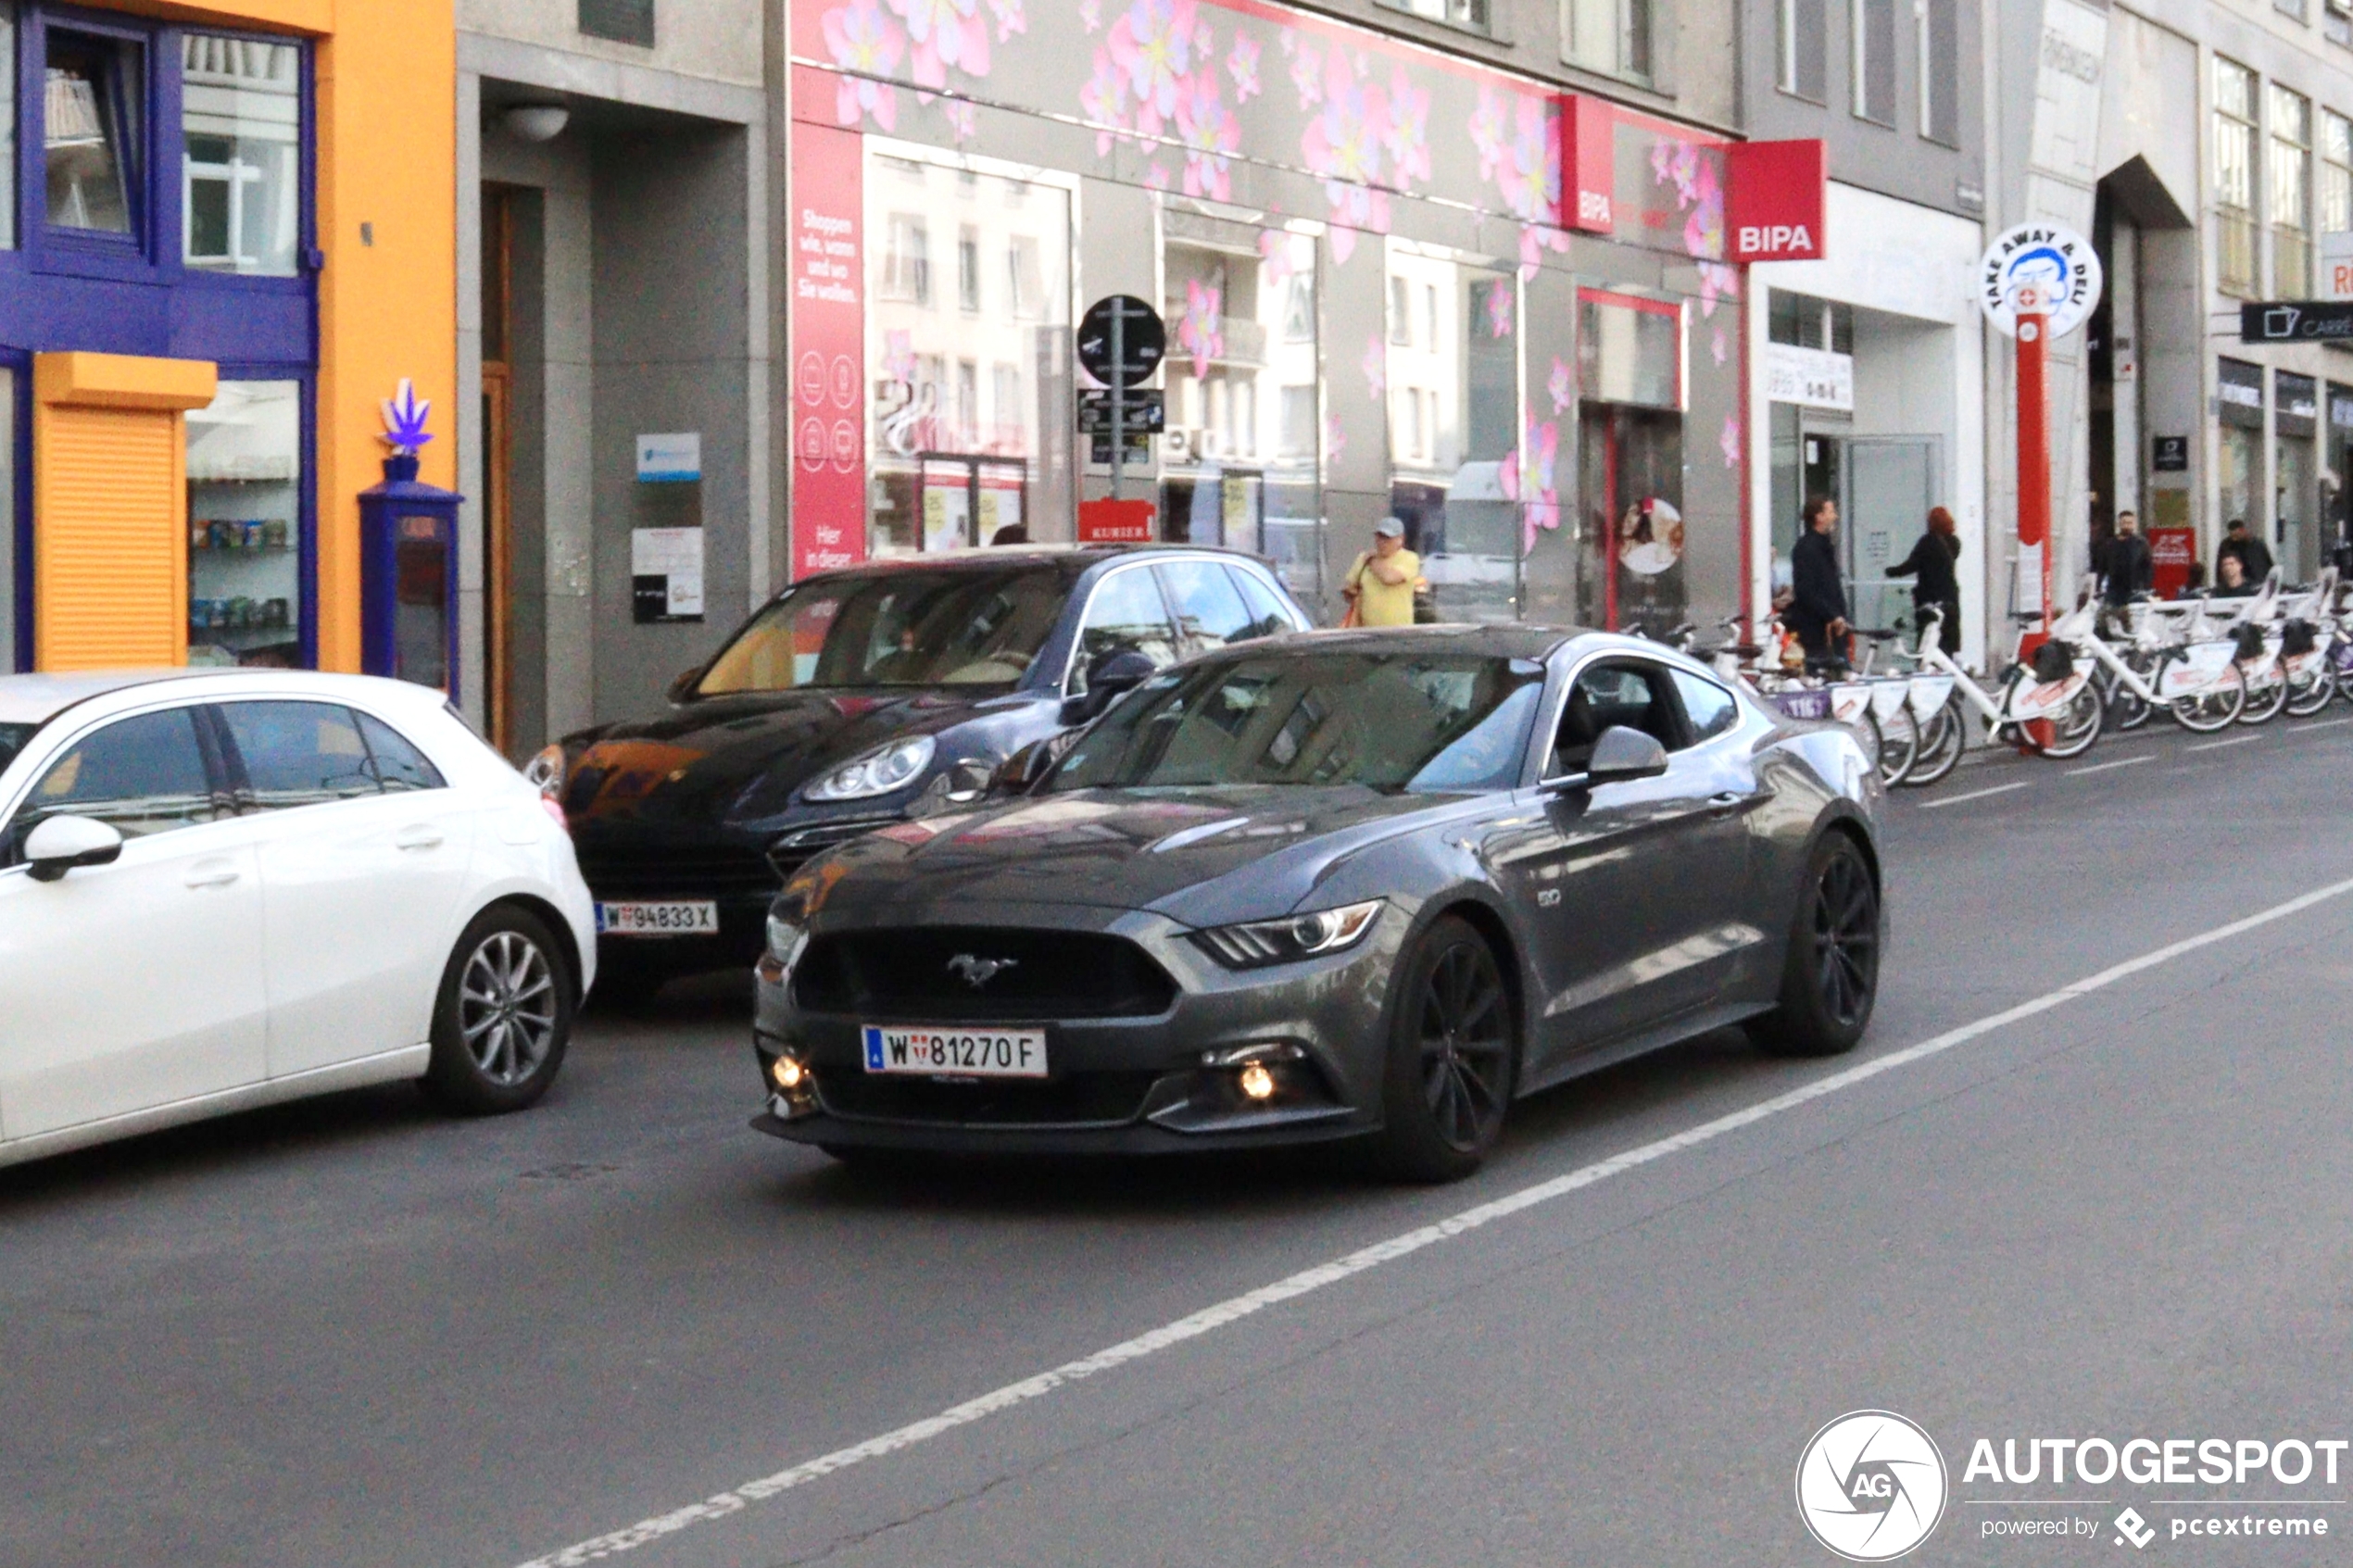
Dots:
pixel 63 844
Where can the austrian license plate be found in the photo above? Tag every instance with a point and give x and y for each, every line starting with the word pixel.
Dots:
pixel 962 1053
pixel 676 917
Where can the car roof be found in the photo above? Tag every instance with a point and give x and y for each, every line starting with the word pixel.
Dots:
pixel 36 698
pixel 1498 640
pixel 1074 560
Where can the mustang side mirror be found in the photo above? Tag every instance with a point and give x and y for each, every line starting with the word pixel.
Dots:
pixel 682 685
pixel 65 843
pixel 1619 754
pixel 1108 677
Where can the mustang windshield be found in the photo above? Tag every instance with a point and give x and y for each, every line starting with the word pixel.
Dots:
pixel 977 626
pixel 1387 722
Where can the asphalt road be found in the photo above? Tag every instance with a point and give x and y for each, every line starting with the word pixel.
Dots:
pixel 352 1333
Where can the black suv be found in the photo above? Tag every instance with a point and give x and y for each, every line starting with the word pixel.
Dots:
pixel 859 699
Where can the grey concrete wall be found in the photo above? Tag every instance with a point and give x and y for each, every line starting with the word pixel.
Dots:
pixel 672 288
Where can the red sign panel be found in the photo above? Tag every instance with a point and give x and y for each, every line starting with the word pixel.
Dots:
pixel 1589 163
pixel 2171 553
pixel 1115 523
pixel 828 347
pixel 1774 211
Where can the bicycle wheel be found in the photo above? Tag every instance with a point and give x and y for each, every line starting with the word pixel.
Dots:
pixel 2215 707
pixel 1899 743
pixel 2313 694
pixel 1942 740
pixel 2072 729
pixel 1867 731
pixel 2264 702
pixel 2127 709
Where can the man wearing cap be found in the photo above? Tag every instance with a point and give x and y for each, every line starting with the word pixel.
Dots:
pixel 1379 586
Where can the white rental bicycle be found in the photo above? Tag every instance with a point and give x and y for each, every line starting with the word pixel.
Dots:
pixel 2046 705
pixel 2189 670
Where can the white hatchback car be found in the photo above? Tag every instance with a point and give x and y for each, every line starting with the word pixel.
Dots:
pixel 220 889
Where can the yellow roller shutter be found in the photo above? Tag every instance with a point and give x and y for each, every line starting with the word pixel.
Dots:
pixel 110 509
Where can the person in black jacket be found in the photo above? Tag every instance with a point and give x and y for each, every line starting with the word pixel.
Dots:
pixel 2254 555
pixel 2128 568
pixel 1817 604
pixel 1938 588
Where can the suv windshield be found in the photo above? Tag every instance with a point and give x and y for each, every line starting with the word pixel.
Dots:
pixel 1385 722
pixel 974 627
pixel 12 739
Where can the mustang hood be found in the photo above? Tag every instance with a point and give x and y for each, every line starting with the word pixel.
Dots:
pixel 742 756
pixel 1167 851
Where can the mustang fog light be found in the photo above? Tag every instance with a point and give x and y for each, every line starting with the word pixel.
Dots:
pixel 790 1075
pixel 1256 1082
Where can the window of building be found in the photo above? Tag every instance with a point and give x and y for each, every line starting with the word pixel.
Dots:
pixel 1802 48
pixel 2291 194
pixel 1803 321
pixel 1231 472
pixel 1872 23
pixel 1471 14
pixel 2336 173
pixel 95 92
pixel 1610 36
pixel 1401 312
pixel 240 182
pixel 7 157
pixel 244 526
pixel 2336 20
pixel 2289 7
pixel 624 21
pixel 968 268
pixel 1939 62
pixel 946 470
pixel 2234 138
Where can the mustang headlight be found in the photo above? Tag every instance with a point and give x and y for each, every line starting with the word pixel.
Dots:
pixel 786 939
pixel 1254 943
pixel 878 772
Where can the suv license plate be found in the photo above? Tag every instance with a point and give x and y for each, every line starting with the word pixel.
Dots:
pixel 962 1053
pixel 682 917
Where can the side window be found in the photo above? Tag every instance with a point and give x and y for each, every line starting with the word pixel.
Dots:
pixel 299 753
pixel 1606 695
pixel 1127 613
pixel 143 775
pixel 399 765
pixel 1210 610
pixel 1269 616
pixel 1708 708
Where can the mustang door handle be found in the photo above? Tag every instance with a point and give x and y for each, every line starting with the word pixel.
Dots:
pixel 418 838
pixel 1723 805
pixel 211 874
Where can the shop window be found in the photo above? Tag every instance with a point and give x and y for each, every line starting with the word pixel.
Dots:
pixel 7 182
pixel 1629 353
pixel 240 182
pixel 244 526
pixel 2233 140
pixel 1940 63
pixel 1802 48
pixel 2291 203
pixel 1238 460
pixel 1610 36
pixel 96 88
pixel 623 21
pixel 1471 14
pixel 1872 23
pixel 971 412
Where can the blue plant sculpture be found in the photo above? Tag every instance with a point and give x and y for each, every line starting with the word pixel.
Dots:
pixel 405 414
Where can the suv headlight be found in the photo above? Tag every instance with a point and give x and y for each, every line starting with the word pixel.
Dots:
pixel 878 772
pixel 545 772
pixel 1254 943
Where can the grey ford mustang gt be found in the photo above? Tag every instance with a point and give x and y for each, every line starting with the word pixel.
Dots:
pixel 1352 885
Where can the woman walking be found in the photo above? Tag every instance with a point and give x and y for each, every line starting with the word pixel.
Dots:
pixel 1939 587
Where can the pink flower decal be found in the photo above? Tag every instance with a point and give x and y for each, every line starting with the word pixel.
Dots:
pixel 1156 177
pixel 1334 439
pixel 1344 143
pixel 1535 239
pixel 1499 308
pixel 1407 137
pixel 1306 74
pixel 1375 366
pixel 1527 477
pixel 1209 134
pixel 1729 441
pixel 943 34
pixel 1242 65
pixel 1153 45
pixel 1090 14
pixel 1490 123
pixel 1717 282
pixel 1698 195
pixel 1011 18
pixel 1720 348
pixel 1200 330
pixel 1343 244
pixel 1274 254
pixel 1104 101
pixel 863 39
pixel 1561 384
pixel 963 118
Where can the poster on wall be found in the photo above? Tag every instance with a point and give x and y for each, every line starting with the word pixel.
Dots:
pixel 828 341
pixel 665 575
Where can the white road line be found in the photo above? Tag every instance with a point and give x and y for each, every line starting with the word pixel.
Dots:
pixel 1972 795
pixel 2217 744
pixel 2103 767
pixel 2303 728
pixel 1234 1309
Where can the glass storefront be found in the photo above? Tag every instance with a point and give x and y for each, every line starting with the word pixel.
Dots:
pixel 244 526
pixel 1238 458
pixel 1629 358
pixel 1452 385
pixel 968 352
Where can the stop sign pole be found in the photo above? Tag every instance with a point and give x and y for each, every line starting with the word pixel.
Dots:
pixel 2034 452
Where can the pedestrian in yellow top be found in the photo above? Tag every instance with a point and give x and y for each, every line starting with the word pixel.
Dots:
pixel 1379 588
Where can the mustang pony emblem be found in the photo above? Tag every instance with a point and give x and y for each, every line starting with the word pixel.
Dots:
pixel 978 971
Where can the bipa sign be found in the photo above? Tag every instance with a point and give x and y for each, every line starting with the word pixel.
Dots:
pixel 1774 206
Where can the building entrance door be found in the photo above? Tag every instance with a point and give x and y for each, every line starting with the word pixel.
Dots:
pixel 1889 484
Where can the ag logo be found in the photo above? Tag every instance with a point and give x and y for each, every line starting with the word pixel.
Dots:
pixel 1870 1485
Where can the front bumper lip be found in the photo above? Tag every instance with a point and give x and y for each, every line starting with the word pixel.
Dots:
pixel 1268 1130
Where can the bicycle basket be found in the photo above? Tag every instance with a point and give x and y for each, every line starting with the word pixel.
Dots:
pixel 2298 636
pixel 2054 660
pixel 2247 642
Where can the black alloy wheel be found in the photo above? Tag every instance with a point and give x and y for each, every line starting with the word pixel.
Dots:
pixel 1830 977
pixel 1450 1059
